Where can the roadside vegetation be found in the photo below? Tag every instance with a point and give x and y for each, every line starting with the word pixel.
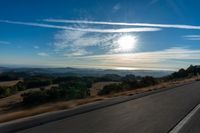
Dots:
pixel 131 82
pixel 10 90
pixel 65 91
pixel 38 93
pixel 36 90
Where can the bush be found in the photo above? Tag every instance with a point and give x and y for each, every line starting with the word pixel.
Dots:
pixel 129 82
pixel 74 90
pixel 8 76
pixel 109 77
pixel 20 86
pixel 7 91
pixel 108 89
pixel 34 97
pixel 193 70
pixel 36 82
pixel 182 73
pixel 147 81
pixel 87 80
pixel 65 91
pixel 112 88
pixel 4 92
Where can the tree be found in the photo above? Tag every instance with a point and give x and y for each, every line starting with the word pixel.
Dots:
pixel 147 81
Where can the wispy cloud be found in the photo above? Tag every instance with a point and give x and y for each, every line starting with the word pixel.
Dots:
pixel 118 30
pixel 76 42
pixel 36 47
pixel 177 26
pixel 43 54
pixel 77 45
pixel 116 7
pixel 172 53
pixel 77 52
pixel 192 37
pixel 167 59
pixel 172 58
pixel 153 2
pixel 4 42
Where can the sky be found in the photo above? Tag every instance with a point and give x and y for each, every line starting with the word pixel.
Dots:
pixel 102 34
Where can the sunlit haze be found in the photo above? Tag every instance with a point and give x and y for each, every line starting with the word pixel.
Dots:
pixel 127 43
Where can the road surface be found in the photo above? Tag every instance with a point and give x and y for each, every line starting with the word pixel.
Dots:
pixel 156 113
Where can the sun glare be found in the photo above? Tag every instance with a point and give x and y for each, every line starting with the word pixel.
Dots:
pixel 126 43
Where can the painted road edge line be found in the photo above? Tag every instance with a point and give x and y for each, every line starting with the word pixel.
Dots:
pixel 183 122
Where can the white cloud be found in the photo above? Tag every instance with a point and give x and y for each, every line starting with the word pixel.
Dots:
pixel 70 39
pixel 76 42
pixel 116 7
pixel 172 53
pixel 167 59
pixel 172 58
pixel 77 52
pixel 143 27
pixel 36 47
pixel 177 26
pixel 75 39
pixel 153 2
pixel 119 30
pixel 192 37
pixel 4 42
pixel 42 54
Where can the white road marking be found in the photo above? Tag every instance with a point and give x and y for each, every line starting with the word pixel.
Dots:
pixel 181 124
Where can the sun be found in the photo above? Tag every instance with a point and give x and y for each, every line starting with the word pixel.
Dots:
pixel 126 43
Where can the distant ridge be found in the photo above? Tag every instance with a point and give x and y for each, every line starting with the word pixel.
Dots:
pixel 86 71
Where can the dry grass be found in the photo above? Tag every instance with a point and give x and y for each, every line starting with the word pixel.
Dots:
pixel 9 83
pixel 25 112
pixel 9 101
pixel 151 88
pixel 20 112
pixel 96 87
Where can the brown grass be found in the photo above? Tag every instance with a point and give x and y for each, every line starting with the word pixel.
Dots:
pixel 96 87
pixel 16 98
pixel 151 88
pixel 20 112
pixel 25 112
pixel 9 83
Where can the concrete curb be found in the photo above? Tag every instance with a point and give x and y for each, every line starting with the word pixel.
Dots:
pixel 33 121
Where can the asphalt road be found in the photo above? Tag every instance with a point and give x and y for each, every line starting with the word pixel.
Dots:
pixel 156 113
pixel 193 125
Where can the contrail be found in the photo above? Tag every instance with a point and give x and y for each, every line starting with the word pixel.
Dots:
pixel 119 30
pixel 125 24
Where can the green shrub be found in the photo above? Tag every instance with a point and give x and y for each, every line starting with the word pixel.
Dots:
pixel 34 97
pixel 108 89
pixel 147 81
pixel 129 82
pixel 7 91
pixel 73 90
pixel 8 76
pixel 65 91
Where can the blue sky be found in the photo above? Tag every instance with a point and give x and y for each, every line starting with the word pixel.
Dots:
pixel 114 34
